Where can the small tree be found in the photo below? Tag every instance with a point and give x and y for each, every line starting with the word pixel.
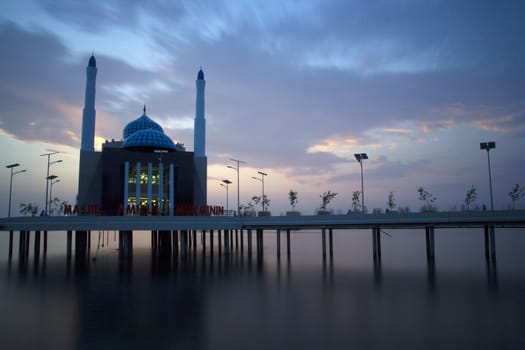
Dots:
pixel 471 196
pixel 56 206
pixel 247 210
pixel 326 197
pixel 28 209
pixel 390 204
pixel 265 201
pixel 515 194
pixel 426 197
pixel 292 196
pixel 356 201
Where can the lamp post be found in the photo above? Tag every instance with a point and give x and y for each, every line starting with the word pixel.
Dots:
pixel 360 157
pixel 12 166
pixel 237 169
pixel 47 174
pixel 53 181
pixel 225 184
pixel 488 146
pixel 262 180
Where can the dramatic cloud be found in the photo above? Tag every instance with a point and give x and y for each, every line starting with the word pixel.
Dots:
pixel 296 87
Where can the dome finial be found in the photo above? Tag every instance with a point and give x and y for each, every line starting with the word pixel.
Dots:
pixel 144 109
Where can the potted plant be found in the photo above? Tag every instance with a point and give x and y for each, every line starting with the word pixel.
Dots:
pixel 326 197
pixel 292 197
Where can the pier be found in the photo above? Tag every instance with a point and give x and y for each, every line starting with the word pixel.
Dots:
pixel 174 236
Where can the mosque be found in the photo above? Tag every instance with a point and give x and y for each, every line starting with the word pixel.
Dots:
pixel 145 173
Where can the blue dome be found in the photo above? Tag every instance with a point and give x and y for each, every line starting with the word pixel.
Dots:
pixel 141 123
pixel 149 139
pixel 200 75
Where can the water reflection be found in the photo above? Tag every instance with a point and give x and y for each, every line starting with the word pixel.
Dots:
pixel 207 301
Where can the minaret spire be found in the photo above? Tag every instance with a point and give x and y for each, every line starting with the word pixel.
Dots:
pixel 89 113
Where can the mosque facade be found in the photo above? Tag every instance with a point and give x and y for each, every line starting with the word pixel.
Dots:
pixel 145 172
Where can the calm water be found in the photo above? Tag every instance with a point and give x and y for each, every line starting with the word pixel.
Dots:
pixel 238 302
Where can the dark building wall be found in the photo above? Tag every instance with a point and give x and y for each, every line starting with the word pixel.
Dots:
pixel 89 179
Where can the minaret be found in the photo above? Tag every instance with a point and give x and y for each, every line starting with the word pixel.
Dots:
pixel 199 146
pixel 88 114
pixel 89 176
pixel 199 136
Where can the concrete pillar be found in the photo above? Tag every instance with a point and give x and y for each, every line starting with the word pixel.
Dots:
pixel 278 234
pixel 288 249
pixel 175 241
pixel 125 244
pixel 330 243
pixel 150 189
pixel 211 242
pixel 323 238
pixel 137 190
pixel 81 245
pixel 126 180
pixel 429 235
pixel 10 244
pixel 219 238
pixel 164 244
pixel 376 242
pixel 226 242
pixel 242 240
pixel 36 251
pixel 250 241
pixel 45 243
pixel 490 242
pixel 69 235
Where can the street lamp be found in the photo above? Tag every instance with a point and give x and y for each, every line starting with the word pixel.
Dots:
pixel 237 169
pixel 225 184
pixel 53 181
pixel 488 146
pixel 47 174
pixel 12 166
pixel 262 180
pixel 360 157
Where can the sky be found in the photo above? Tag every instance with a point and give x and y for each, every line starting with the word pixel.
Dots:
pixel 293 89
